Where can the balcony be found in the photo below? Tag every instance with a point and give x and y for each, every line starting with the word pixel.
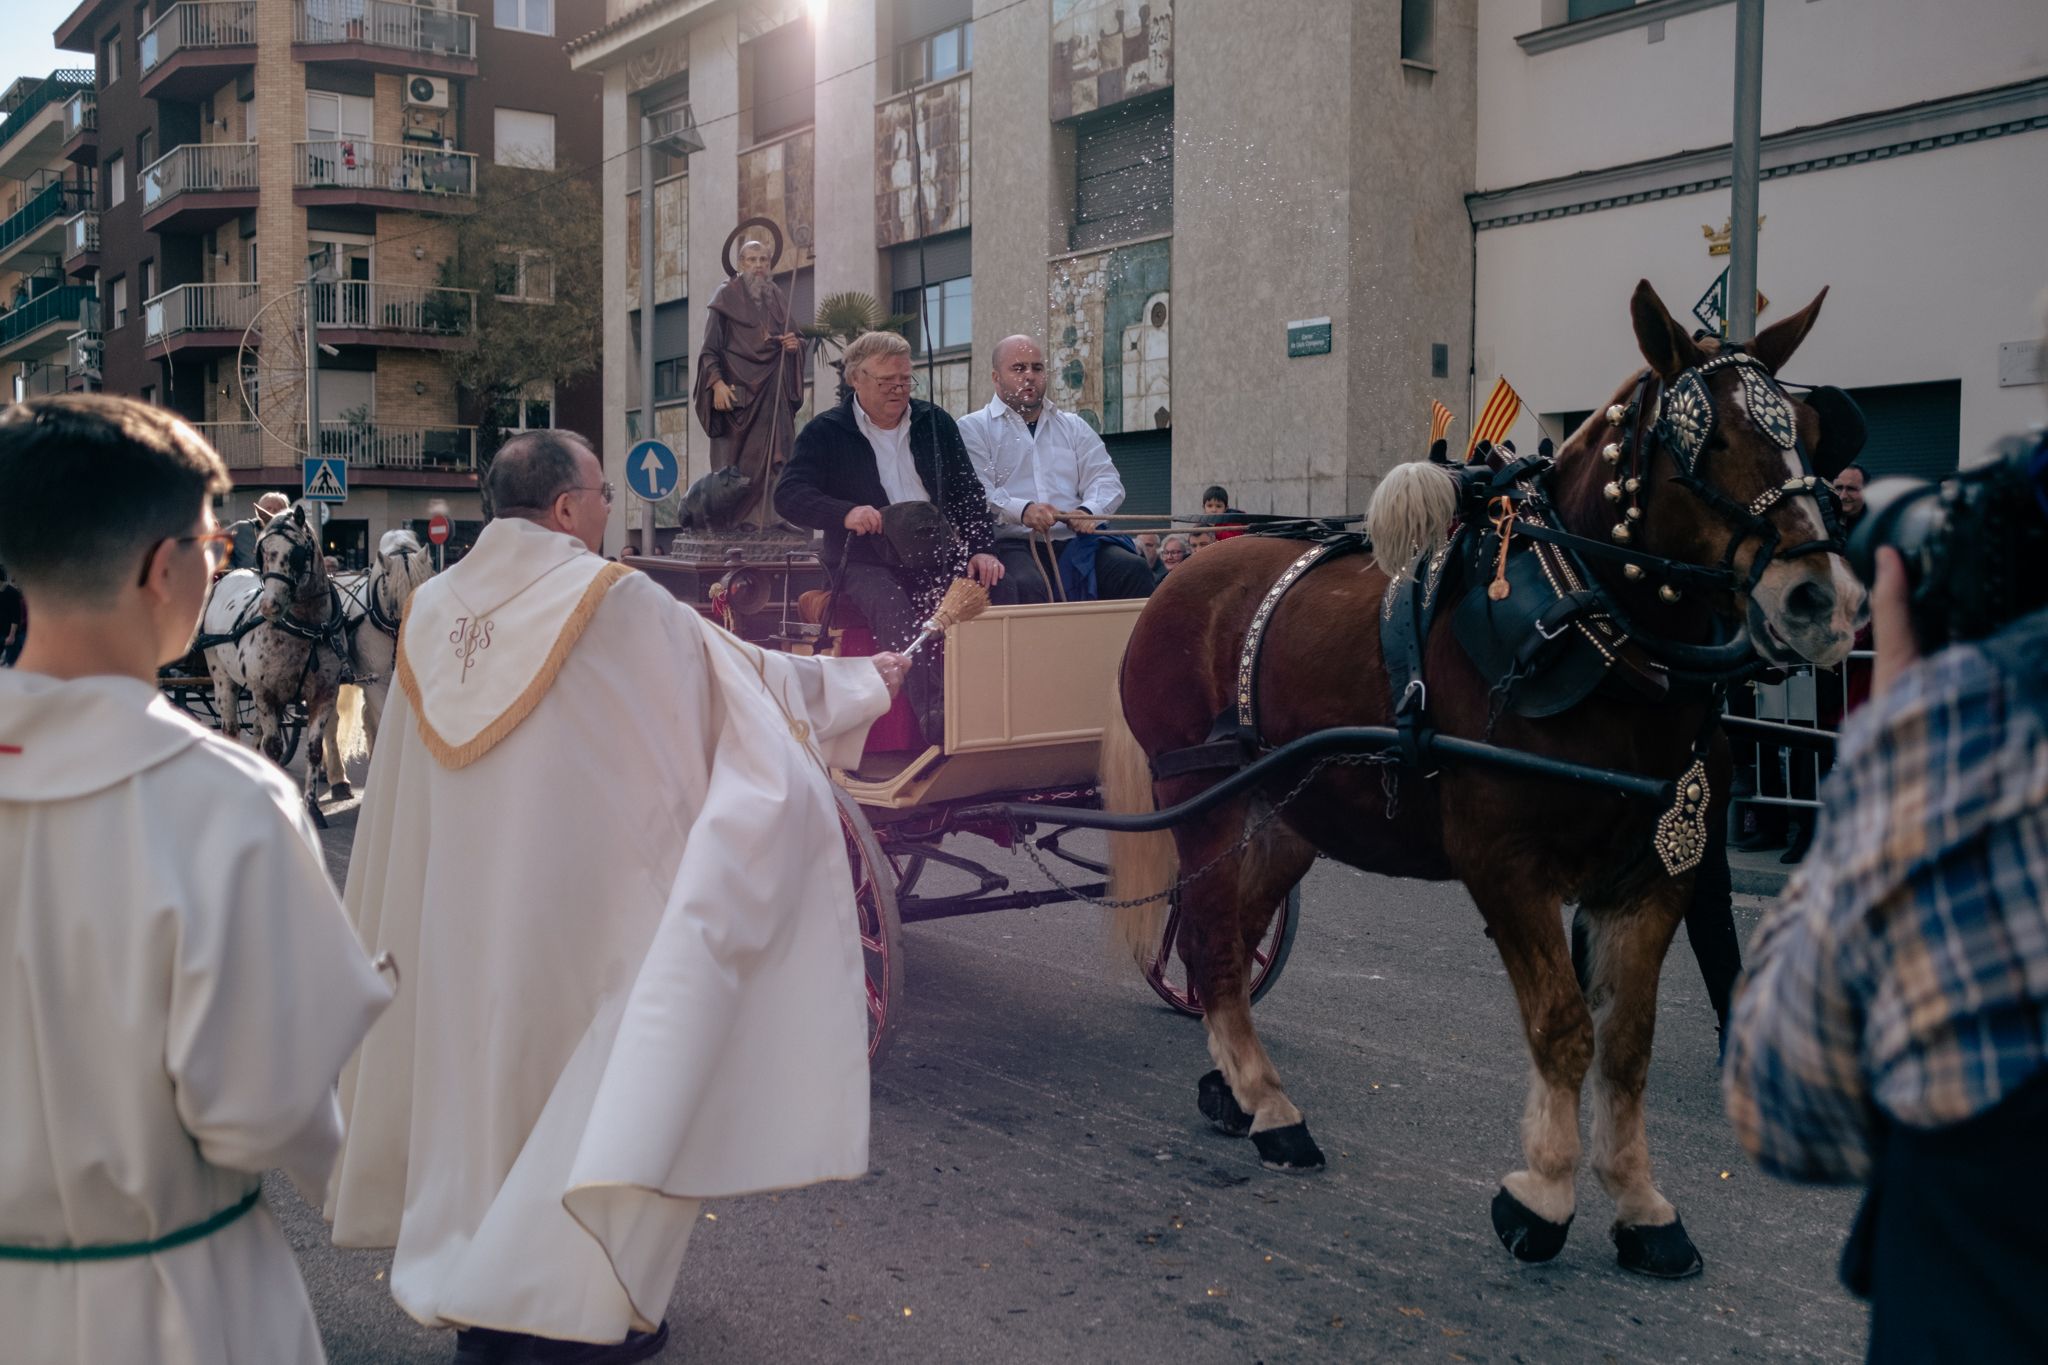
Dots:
pixel 83 351
pixel 36 328
pixel 37 227
pixel 383 175
pixel 381 445
pixel 385 35
pixel 82 128
pixel 33 130
pixel 198 317
pixel 371 313
pixel 82 243
pixel 195 46
pixel 197 186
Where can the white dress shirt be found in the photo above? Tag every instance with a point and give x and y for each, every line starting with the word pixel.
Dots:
pixel 1063 464
pixel 893 460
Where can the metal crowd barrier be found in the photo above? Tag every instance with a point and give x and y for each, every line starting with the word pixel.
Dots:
pixel 1792 749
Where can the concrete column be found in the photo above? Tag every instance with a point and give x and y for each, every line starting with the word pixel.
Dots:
pixel 714 186
pixel 843 208
pixel 1014 198
pixel 620 377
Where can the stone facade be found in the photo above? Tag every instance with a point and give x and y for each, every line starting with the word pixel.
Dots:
pixel 943 137
pixel 1107 51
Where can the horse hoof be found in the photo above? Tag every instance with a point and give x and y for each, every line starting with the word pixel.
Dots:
pixel 1220 1107
pixel 1527 1235
pixel 1288 1149
pixel 340 791
pixel 1663 1251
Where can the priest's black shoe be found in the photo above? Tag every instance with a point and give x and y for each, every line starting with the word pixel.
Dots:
pixel 636 1346
pixel 487 1346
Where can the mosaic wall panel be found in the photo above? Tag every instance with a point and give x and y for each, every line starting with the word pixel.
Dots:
pixel 1106 51
pixel 671 242
pixel 942 112
pixel 776 183
pixel 1111 316
pixel 765 16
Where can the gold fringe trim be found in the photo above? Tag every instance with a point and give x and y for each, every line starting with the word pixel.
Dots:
pixel 462 755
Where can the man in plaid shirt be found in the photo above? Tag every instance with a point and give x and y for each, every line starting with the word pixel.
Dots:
pixel 1893 1024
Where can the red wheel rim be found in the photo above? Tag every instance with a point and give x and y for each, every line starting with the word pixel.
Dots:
pixel 1168 975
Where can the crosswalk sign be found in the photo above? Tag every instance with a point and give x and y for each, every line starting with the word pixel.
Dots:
pixel 326 479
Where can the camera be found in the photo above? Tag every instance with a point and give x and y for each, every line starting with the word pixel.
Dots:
pixel 1975 545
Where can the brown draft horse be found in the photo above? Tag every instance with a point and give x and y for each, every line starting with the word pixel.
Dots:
pixel 1521 846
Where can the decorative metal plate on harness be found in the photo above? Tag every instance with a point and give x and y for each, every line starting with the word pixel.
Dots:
pixel 1248 658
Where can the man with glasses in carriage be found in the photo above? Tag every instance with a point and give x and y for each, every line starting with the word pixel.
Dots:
pixel 184 987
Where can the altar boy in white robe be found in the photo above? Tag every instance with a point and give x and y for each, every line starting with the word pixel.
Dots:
pixel 178 984
pixel 600 837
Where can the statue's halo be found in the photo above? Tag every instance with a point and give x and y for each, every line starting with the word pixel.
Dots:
pixel 738 235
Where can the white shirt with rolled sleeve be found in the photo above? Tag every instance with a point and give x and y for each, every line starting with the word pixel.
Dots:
pixel 1063 464
pixel 894 464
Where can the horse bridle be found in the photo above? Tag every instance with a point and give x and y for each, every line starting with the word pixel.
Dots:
pixel 300 562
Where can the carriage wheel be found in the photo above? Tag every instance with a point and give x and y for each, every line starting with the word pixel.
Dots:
pixel 881 930
pixel 1168 975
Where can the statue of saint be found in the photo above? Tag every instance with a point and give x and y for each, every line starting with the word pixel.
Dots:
pixel 750 381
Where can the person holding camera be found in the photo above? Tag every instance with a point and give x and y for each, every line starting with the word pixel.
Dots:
pixel 1892 1027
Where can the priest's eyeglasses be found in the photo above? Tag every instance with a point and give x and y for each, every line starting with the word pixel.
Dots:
pixel 604 490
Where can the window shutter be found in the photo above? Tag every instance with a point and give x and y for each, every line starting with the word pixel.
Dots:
pixel 1123 174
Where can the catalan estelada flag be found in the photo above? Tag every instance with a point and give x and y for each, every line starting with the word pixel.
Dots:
pixel 1439 421
pixel 1502 407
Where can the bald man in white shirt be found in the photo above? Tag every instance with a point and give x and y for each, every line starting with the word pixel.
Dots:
pixel 1047 473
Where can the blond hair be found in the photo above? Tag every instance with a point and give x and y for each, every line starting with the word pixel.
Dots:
pixel 872 346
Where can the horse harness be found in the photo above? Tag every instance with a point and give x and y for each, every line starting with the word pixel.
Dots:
pixel 331 632
pixel 1545 629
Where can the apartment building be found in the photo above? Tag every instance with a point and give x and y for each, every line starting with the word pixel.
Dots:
pixel 1240 227
pixel 46 309
pixel 1905 169
pixel 257 160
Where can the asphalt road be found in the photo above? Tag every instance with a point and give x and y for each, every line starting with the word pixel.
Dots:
pixel 1043 1188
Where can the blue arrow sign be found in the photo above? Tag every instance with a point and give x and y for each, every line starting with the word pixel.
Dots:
pixel 651 471
pixel 326 479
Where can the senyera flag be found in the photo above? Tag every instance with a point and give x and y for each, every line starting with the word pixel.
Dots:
pixel 1439 421
pixel 1501 409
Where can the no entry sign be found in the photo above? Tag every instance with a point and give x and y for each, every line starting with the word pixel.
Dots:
pixel 437 529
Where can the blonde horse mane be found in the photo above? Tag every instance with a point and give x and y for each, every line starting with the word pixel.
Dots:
pixel 1409 512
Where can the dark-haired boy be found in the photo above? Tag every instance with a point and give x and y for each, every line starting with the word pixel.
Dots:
pixel 183 985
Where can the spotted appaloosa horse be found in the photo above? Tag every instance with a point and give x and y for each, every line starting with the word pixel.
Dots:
pixel 374 604
pixel 292 652
pixel 1521 846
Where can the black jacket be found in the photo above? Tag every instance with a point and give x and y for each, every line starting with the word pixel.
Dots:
pixel 832 471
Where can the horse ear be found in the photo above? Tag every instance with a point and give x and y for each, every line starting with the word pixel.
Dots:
pixel 1663 342
pixel 299 513
pixel 1776 343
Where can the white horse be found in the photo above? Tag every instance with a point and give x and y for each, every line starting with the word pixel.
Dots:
pixel 375 605
pixel 289 641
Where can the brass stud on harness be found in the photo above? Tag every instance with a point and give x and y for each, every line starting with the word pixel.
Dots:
pixel 1668 593
pixel 1612 492
pixel 1616 413
pixel 1632 572
pixel 1621 532
pixel 1611 453
pixel 1632 484
pixel 1635 514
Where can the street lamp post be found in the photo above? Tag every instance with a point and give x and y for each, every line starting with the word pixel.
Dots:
pixel 1749 100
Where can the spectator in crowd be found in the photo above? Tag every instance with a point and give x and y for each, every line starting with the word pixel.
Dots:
pixel 1201 540
pixel 1172 551
pixel 1148 546
pixel 1216 510
pixel 1849 488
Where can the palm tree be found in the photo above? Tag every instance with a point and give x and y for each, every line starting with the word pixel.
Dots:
pixel 841 318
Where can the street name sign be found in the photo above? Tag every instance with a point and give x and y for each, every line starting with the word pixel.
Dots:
pixel 1310 336
pixel 326 479
pixel 651 471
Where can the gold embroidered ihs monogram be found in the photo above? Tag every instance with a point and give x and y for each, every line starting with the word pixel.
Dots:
pixel 469 636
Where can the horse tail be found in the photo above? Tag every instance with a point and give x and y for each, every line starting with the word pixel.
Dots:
pixel 1140 864
pixel 350 738
pixel 1409 512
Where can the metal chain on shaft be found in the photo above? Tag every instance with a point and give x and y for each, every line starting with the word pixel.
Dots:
pixel 1256 828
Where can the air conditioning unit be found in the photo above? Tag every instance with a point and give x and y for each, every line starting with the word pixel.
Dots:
pixel 426 92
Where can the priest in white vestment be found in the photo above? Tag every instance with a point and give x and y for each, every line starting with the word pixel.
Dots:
pixel 601 841
pixel 180 986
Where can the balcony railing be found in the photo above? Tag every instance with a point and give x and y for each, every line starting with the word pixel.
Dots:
pixel 378 445
pixel 370 305
pixel 386 23
pixel 198 166
pixel 199 308
pixel 58 198
pixel 58 85
pixel 82 352
pixel 351 163
pixel 62 303
pixel 198 24
pixel 81 114
pixel 82 234
pixel 240 443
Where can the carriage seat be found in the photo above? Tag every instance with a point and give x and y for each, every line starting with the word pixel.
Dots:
pixel 898 729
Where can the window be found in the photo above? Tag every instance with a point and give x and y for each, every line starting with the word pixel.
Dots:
pixel 1418 31
pixel 668 105
pixel 935 56
pixel 672 379
pixel 110 58
pixel 1575 10
pixel 117 181
pixel 524 277
pixel 148 280
pixel 525 138
pixel 117 302
pixel 145 152
pixel 782 76
pixel 525 16
pixel 948 309
pixel 1123 174
pixel 249 258
pixel 149 394
pixel 531 410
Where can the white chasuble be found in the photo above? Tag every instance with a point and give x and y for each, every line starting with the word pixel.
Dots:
pixel 601 843
pixel 180 991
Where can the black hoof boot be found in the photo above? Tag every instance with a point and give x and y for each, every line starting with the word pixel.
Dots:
pixel 1527 1235
pixel 340 791
pixel 1288 1149
pixel 1220 1107
pixel 313 809
pixel 1663 1251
